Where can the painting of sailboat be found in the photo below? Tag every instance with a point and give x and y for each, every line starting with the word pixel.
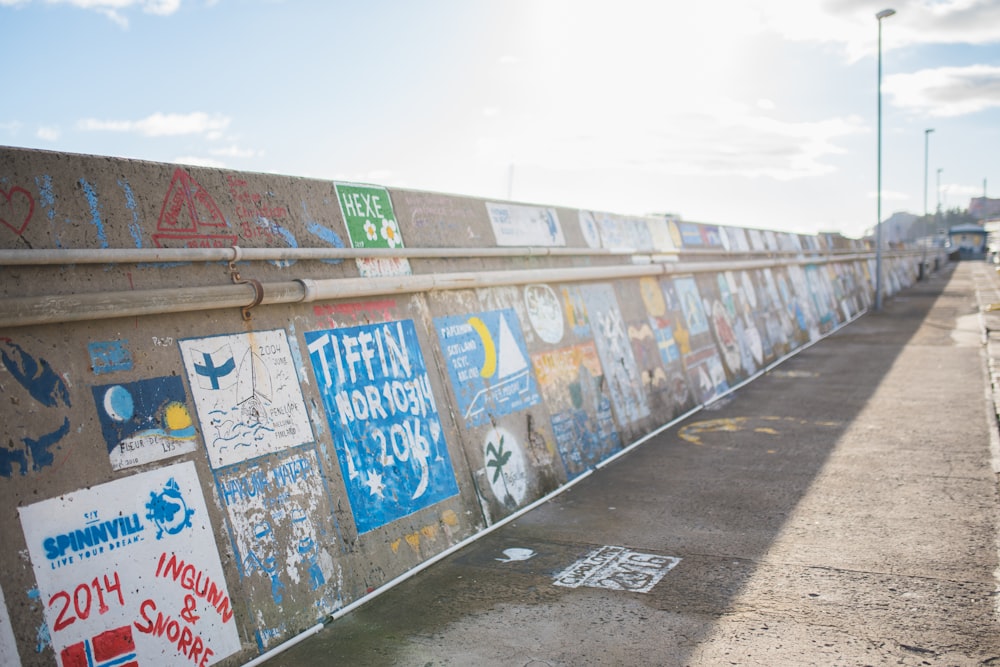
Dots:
pixel 247 395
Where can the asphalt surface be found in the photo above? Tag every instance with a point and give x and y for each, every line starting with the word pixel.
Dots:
pixel 839 510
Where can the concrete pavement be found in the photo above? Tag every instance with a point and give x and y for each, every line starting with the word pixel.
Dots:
pixel 840 510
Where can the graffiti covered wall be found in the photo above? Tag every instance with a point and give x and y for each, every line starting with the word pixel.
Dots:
pixel 195 487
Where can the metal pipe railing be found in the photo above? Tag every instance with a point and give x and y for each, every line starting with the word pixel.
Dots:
pixel 49 309
pixel 39 257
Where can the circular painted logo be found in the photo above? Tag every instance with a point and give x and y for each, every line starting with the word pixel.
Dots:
pixel 168 510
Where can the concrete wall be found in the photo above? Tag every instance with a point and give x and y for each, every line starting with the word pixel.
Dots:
pixel 181 480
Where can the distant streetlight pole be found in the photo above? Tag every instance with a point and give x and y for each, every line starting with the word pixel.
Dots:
pixel 885 13
pixel 927 134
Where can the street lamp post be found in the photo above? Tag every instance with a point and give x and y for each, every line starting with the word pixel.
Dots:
pixel 927 134
pixel 885 13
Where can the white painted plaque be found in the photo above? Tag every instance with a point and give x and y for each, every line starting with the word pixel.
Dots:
pixel 128 571
pixel 247 395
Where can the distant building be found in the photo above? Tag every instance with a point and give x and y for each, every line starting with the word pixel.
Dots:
pixel 896 228
pixel 982 208
pixel 969 240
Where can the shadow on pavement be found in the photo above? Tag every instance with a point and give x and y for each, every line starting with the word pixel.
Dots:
pixel 715 491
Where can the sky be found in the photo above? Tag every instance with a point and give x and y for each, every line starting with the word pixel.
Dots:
pixel 753 113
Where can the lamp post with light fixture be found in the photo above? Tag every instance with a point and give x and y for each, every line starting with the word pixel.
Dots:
pixel 885 13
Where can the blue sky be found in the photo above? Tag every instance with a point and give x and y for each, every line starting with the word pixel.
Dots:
pixel 757 113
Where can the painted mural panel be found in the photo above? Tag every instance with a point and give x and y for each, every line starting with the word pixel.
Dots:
pixel 777 319
pixel 544 312
pixel 695 235
pixel 247 395
pixel 190 218
pixel 570 379
pixel 487 363
pixel 823 298
pixel 384 419
pixel 37 420
pixel 588 227
pixel 699 354
pixel 145 421
pixel 128 571
pixel 706 373
pixel 623 232
pixel 613 347
pixel 691 306
pixel 281 521
pixel 655 340
pixel 516 225
pixel 800 302
pixel 659 234
pixel 8 645
pixel 732 335
pixel 109 356
pixel 371 223
pixel 507 468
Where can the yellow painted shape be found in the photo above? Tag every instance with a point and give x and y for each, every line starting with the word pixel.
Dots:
pixel 395 546
pixel 430 532
pixel 683 339
pixel 177 417
pixel 413 539
pixel 449 518
pixel 692 432
pixel 489 349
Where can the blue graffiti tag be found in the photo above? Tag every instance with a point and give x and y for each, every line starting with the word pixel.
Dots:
pixel 46 387
pixel 168 510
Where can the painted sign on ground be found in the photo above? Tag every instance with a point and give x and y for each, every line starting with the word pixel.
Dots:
pixel 488 364
pixel 128 572
pixel 384 420
pixel 247 395
pixel 618 569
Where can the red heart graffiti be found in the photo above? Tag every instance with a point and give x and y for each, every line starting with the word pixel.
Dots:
pixel 9 212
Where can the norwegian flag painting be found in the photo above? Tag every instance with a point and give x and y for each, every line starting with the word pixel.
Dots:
pixel 112 648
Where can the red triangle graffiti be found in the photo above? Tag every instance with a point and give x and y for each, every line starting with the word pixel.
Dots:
pixel 187 209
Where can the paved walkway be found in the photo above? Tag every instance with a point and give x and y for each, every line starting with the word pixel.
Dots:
pixel 840 510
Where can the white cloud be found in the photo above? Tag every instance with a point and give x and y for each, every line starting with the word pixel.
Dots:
pixel 378 175
pixel 235 151
pixel 890 195
pixel 718 139
pixel 161 125
pixel 199 161
pixel 112 9
pixel 958 190
pixel 946 91
pixel 48 133
pixel 852 23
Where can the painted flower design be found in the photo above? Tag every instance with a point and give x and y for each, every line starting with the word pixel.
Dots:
pixel 370 231
pixel 391 233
